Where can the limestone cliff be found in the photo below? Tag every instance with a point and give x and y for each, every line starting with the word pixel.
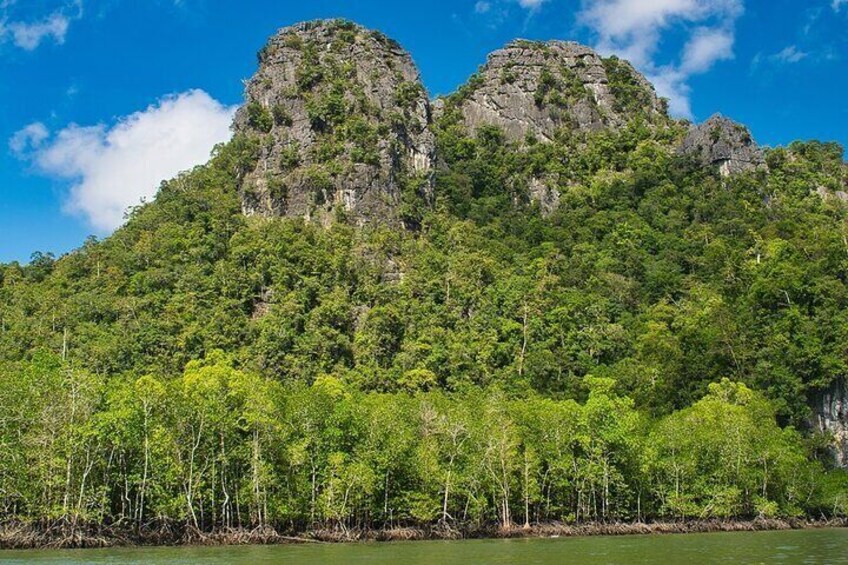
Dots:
pixel 342 121
pixel 534 88
pixel 830 415
pixel 725 144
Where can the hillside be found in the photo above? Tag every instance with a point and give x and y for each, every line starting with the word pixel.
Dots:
pixel 537 299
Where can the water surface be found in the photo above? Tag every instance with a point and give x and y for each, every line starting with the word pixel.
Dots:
pixel 801 546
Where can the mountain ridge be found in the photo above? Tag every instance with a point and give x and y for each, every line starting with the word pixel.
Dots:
pixel 345 123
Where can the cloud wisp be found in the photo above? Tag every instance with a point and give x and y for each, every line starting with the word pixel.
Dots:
pixel 531 4
pixel 29 35
pixel 635 29
pixel 32 135
pixel 496 12
pixel 112 168
pixel 790 54
pixel 482 7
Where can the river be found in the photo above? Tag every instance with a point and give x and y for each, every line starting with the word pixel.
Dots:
pixel 799 546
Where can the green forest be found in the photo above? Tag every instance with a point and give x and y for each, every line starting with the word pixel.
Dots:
pixel 646 351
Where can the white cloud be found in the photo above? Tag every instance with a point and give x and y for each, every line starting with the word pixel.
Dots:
pixel 30 35
pixel 790 54
pixel 706 47
pixel 482 7
pixel 32 136
pixel 112 168
pixel 634 30
pixel 787 56
pixel 531 4
pixel 670 83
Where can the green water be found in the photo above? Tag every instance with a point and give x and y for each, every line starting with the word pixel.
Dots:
pixel 807 546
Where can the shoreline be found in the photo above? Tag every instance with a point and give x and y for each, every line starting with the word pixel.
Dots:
pixel 34 536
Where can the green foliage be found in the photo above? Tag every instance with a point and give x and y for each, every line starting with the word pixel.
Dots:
pixel 281 115
pixel 386 41
pixel 630 94
pixel 466 90
pixel 318 179
pixel 490 366
pixel 290 157
pixel 572 87
pixel 344 31
pixel 508 75
pixel 364 140
pixel 561 90
pixel 327 454
pixel 310 73
pixel 277 189
pixel 327 109
pixel 258 117
pixel 725 456
pixel 293 41
pixel 414 202
pixel 408 93
pixel 546 84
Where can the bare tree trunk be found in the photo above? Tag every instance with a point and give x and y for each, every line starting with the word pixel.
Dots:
pixel 257 491
pixel 143 489
pixel 314 488
pixel 526 491
pixel 226 511
pixel 523 342
pixel 190 483
pixel 447 491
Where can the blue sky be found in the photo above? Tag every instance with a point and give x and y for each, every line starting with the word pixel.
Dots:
pixel 100 99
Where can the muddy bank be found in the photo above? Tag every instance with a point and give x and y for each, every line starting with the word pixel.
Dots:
pixel 62 534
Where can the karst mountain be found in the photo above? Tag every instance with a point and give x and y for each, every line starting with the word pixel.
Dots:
pixel 539 299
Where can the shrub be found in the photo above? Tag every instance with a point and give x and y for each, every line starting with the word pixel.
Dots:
pixel 258 117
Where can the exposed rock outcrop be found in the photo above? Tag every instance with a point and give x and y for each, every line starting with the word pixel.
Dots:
pixel 725 144
pixel 826 194
pixel 342 121
pixel 830 413
pixel 534 88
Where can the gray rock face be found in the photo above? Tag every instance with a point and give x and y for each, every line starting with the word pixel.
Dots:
pixel 830 409
pixel 542 193
pixel 725 144
pixel 826 194
pixel 342 121
pixel 532 88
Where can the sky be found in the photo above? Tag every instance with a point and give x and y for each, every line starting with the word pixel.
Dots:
pixel 101 100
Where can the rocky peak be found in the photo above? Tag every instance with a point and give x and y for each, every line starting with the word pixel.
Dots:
pixel 342 122
pixel 725 144
pixel 534 88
